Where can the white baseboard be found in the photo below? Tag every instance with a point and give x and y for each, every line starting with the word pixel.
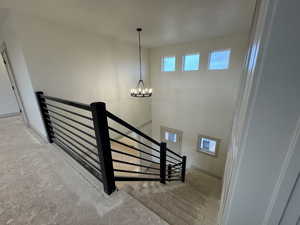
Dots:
pixel 6 115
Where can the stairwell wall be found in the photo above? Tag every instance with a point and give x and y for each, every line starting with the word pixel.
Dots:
pixel 198 102
pixel 84 67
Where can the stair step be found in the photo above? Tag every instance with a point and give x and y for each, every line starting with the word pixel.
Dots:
pixel 194 202
pixel 164 213
pixel 174 205
pixel 188 212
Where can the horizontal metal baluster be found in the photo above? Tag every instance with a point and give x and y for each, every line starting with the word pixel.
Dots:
pixel 134 164
pixel 122 178
pixel 130 146
pixel 68 118
pixel 73 139
pixel 74 113
pixel 178 179
pixel 137 172
pixel 171 157
pixel 96 173
pixel 91 136
pixel 74 146
pixel 176 165
pixel 130 155
pixel 67 102
pixel 130 127
pixel 174 153
pixel 133 139
pixel 71 132
pixel 175 174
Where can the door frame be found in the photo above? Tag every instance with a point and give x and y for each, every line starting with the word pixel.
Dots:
pixel 13 82
pixel 248 85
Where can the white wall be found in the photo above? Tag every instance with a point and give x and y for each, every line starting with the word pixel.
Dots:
pixel 23 80
pixel 269 142
pixel 8 101
pixel 84 67
pixel 200 102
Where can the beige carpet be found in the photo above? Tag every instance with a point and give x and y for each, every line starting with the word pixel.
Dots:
pixel 195 202
pixel 40 184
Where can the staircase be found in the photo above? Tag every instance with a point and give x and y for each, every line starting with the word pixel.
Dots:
pixel 194 202
pixel 146 169
pixel 93 136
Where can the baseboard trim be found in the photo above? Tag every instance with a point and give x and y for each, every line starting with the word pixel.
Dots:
pixel 6 115
pixel 42 139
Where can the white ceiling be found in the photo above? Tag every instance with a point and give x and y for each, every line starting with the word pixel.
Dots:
pixel 163 21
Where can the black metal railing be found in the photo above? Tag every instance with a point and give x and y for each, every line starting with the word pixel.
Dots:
pixel 111 154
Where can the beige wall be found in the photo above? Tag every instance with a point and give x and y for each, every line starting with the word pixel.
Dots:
pixel 200 102
pixel 84 67
pixel 23 79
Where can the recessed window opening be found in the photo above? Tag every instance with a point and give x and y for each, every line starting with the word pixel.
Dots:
pixel 208 145
pixel 172 137
pixel 168 64
pixel 219 60
pixel 191 62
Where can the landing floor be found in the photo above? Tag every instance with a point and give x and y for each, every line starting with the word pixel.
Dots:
pixel 41 185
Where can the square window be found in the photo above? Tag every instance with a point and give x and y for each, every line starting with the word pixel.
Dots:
pixel 208 145
pixel 168 64
pixel 172 137
pixel 219 60
pixel 191 62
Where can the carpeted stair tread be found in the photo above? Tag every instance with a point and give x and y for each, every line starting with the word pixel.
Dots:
pixel 186 213
pixel 161 211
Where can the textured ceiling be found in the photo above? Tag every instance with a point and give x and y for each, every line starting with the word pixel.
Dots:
pixel 164 21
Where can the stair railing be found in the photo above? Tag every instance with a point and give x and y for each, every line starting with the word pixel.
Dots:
pixel 108 147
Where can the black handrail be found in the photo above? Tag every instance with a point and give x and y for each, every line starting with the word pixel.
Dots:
pixel 137 131
pixel 131 138
pixel 130 127
pixel 97 157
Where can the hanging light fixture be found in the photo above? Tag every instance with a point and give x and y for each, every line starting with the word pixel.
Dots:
pixel 140 90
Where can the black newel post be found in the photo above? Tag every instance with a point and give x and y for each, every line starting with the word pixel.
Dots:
pixel 183 169
pixel 163 156
pixel 45 115
pixel 169 171
pixel 103 146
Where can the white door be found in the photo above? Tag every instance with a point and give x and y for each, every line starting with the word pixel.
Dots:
pixel 8 100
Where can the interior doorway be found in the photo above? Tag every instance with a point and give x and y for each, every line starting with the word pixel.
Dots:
pixel 11 98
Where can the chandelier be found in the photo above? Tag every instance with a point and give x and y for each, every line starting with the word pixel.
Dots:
pixel 140 90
